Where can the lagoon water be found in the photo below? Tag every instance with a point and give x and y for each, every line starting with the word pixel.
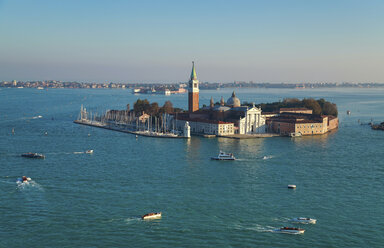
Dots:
pixel 96 200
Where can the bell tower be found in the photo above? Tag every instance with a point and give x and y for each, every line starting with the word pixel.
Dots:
pixel 193 91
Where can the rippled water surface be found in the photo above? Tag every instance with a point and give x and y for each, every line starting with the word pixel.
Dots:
pixel 96 200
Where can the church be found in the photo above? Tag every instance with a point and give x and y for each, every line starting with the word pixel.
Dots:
pixel 225 118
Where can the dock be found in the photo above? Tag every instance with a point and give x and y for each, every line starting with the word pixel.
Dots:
pixel 250 136
pixel 119 129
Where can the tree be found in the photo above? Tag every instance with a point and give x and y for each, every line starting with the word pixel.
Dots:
pixel 154 108
pixel 292 102
pixel 311 103
pixel 168 107
pixel 321 102
pixel 141 105
pixel 330 109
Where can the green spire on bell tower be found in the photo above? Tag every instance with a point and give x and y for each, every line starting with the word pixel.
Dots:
pixel 193 73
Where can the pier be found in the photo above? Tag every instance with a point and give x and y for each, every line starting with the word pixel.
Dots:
pixel 120 129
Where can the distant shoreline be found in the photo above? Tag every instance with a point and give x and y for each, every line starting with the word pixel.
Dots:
pixel 175 86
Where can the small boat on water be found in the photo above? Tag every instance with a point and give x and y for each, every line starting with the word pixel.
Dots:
pixel 295 134
pixel 89 151
pixel 303 220
pixel 291 186
pixel 224 156
pixel 290 230
pixel 151 216
pixel 32 155
pixel 23 179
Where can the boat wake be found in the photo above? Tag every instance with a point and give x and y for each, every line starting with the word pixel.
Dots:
pixel 281 219
pixel 67 153
pixel 28 185
pixel 270 229
pixel 258 228
pixel 132 220
pixel 6 182
pixel 277 230
pixel 267 157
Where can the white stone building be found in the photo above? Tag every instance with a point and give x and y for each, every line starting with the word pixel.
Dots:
pixel 200 126
pixel 252 121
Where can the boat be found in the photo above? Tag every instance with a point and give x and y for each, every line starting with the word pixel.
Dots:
pixel 303 220
pixel 291 186
pixel 40 88
pixel 151 216
pixel 23 179
pixel 32 155
pixel 295 134
pixel 290 230
pixel 348 112
pixel 378 127
pixel 89 151
pixel 224 156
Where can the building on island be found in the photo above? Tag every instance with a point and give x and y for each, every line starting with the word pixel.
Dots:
pixel 226 118
pixel 294 123
pixel 193 91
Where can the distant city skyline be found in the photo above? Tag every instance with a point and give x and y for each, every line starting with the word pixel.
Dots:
pixel 156 41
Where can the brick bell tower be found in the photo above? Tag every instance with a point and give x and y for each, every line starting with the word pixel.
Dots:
pixel 193 91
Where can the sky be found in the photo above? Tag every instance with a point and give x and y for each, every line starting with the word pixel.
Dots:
pixel 156 41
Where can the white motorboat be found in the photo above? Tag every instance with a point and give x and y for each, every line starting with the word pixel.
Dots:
pixel 290 230
pixel 89 151
pixel 291 186
pixel 151 216
pixel 224 156
pixel 303 220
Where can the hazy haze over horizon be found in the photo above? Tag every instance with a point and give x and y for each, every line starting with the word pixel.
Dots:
pixel 155 41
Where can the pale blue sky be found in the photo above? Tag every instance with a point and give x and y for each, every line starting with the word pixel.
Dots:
pixel 155 41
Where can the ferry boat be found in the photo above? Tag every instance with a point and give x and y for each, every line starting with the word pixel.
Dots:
pixel 151 216
pixel 224 156
pixel 32 155
pixel 303 220
pixel 89 151
pixel 290 230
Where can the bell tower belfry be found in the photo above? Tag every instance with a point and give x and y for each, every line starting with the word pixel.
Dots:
pixel 193 91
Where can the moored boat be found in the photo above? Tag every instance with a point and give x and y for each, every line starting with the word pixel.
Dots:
pixel 32 155
pixel 303 220
pixel 224 156
pixel 290 230
pixel 150 216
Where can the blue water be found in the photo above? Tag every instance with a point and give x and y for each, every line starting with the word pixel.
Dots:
pixel 83 200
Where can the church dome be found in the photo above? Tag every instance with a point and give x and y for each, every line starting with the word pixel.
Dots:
pixel 233 101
